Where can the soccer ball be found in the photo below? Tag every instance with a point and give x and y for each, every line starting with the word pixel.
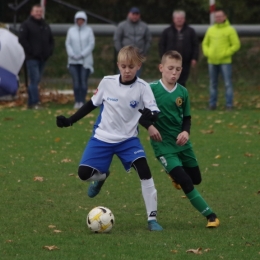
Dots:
pixel 100 219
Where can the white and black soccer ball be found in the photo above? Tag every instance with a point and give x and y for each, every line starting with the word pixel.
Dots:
pixel 100 219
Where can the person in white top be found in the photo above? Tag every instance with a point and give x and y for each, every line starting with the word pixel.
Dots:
pixel 122 99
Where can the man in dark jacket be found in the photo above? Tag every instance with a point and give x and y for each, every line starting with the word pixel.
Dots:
pixel 37 40
pixel 182 38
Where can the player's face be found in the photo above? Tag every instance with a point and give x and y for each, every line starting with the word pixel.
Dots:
pixel 80 21
pixel 127 70
pixel 171 71
pixel 37 12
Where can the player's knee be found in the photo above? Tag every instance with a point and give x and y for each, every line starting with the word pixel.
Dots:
pixel 142 168
pixel 194 173
pixel 84 172
pixel 181 177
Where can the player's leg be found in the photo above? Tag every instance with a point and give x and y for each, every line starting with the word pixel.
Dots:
pixel 149 192
pixel 94 165
pixel 194 196
pixel 131 154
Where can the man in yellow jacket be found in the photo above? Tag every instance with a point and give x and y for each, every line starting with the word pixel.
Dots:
pixel 219 44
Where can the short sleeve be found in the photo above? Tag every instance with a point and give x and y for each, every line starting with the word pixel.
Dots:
pixel 149 99
pixel 97 98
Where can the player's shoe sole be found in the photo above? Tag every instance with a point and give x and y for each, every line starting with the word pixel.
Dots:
pixel 154 226
pixel 175 184
pixel 95 187
pixel 213 223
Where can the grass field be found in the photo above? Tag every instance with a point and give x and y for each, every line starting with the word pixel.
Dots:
pixel 52 212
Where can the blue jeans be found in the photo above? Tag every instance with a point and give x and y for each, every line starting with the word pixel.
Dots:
pixel 80 81
pixel 226 71
pixel 35 70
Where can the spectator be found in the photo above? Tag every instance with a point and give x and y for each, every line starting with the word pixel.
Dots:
pixel 37 40
pixel 80 42
pixel 182 38
pixel 219 44
pixel 133 31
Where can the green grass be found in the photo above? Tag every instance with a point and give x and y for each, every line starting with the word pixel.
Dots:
pixel 31 145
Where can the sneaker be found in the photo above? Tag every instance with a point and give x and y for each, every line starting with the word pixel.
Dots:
pixel 154 226
pixel 212 108
pixel 35 107
pixel 175 184
pixel 81 104
pixel 95 187
pixel 213 221
pixel 76 105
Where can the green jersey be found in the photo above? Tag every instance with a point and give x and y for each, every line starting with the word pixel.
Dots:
pixel 174 105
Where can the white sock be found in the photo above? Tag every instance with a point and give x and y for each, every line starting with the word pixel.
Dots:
pixel 98 176
pixel 150 198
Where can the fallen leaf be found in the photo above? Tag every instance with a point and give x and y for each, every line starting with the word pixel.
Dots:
pixel 8 119
pixel 71 174
pixel 248 154
pixel 210 131
pixel 50 247
pixel 217 156
pixel 9 241
pixel 89 115
pixel 207 249
pixel 174 251
pixel 195 251
pixel 51 226
pixel 66 160
pixel 244 126
pixel 215 164
pixel 57 140
pixel 53 151
pixel 184 197
pixel 38 178
pixel 218 121
pixel 57 231
pixel 91 122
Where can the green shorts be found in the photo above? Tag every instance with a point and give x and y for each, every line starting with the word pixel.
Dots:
pixel 184 158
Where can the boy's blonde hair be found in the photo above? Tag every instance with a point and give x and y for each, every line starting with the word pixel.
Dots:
pixel 131 54
pixel 171 55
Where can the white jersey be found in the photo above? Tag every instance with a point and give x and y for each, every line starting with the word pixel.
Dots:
pixel 119 115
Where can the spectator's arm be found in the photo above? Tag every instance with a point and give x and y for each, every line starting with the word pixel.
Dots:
pixel 147 39
pixel 91 44
pixel 69 49
pixel 195 45
pixel 162 43
pixel 23 38
pixel 51 41
pixel 234 43
pixel 118 36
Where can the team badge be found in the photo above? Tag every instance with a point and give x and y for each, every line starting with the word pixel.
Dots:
pixel 178 101
pixel 133 103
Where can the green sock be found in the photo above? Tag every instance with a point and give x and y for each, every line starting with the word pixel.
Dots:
pixel 199 203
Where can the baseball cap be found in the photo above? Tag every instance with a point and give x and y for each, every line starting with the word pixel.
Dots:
pixel 135 10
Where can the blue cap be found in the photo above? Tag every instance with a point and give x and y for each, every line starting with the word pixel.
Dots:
pixel 135 10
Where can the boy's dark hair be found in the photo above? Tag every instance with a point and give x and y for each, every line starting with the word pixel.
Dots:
pixel 171 55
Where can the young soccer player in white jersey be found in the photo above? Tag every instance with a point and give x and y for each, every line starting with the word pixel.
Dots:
pixel 115 131
pixel 170 134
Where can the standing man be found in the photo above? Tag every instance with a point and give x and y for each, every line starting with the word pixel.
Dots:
pixel 37 40
pixel 182 38
pixel 219 44
pixel 133 31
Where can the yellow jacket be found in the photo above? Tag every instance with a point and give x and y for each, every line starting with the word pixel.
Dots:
pixel 220 43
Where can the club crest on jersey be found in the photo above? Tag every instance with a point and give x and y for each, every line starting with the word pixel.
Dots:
pixel 178 101
pixel 133 103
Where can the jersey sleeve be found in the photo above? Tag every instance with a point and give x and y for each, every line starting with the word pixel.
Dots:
pixel 186 107
pixel 98 97
pixel 149 99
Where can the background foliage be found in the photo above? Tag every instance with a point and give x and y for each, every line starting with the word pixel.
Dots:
pixel 153 11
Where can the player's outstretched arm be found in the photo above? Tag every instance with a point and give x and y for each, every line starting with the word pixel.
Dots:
pixel 63 121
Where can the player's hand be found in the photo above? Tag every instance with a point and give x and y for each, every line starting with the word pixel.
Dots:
pixel 62 121
pixel 182 138
pixel 146 113
pixel 154 134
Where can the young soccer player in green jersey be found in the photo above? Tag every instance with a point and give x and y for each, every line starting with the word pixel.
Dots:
pixel 170 133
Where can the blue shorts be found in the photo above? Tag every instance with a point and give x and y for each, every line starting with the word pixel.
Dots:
pixel 99 154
